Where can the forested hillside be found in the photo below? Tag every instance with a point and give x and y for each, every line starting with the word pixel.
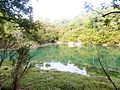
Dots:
pixel 92 28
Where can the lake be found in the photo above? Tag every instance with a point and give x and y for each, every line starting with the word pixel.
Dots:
pixel 85 57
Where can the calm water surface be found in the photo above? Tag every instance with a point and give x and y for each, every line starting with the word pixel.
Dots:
pixel 80 57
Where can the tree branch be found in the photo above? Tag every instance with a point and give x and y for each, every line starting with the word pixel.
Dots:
pixel 105 70
pixel 110 13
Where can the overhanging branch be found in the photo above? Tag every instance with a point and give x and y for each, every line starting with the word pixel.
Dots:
pixel 113 12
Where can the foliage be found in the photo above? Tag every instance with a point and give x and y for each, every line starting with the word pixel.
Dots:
pixel 90 28
pixel 93 28
pixel 48 32
pixel 14 28
pixel 96 27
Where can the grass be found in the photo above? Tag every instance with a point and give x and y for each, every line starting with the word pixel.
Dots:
pixel 54 80
pixel 36 79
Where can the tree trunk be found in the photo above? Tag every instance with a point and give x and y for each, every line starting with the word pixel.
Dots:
pixel 16 77
pixel 15 83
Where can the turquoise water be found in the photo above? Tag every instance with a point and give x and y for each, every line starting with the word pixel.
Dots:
pixel 88 56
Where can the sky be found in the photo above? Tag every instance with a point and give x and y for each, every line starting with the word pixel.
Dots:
pixel 61 9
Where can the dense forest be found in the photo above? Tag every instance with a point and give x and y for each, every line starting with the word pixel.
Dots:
pixel 91 28
pixel 19 32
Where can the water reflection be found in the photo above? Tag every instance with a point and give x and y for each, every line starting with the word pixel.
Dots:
pixel 61 67
pixel 84 55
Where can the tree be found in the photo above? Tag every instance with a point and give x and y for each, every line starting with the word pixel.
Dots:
pixel 12 19
pixel 14 10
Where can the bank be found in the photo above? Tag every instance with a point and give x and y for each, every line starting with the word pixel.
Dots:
pixel 36 79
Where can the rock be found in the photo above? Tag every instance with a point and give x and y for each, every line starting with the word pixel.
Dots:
pixel 105 45
pixel 71 44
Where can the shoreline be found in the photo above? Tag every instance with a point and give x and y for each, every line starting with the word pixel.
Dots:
pixel 67 43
